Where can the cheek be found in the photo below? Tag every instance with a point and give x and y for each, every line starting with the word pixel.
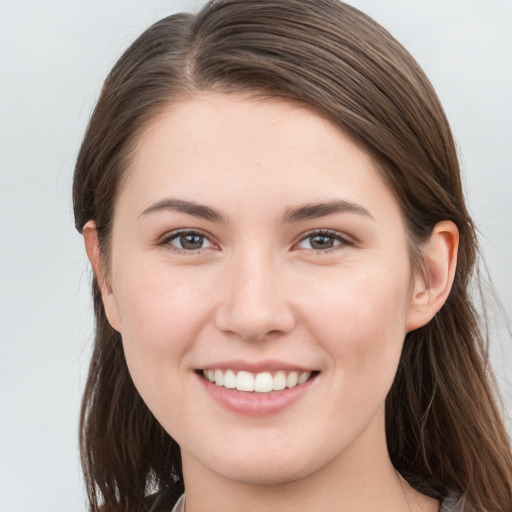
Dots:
pixel 362 325
pixel 161 312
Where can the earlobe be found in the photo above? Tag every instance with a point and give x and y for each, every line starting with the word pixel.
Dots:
pixel 431 288
pixel 92 249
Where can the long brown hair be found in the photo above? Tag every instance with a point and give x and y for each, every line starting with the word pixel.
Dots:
pixel 444 429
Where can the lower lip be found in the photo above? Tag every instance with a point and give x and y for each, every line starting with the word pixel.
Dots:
pixel 254 403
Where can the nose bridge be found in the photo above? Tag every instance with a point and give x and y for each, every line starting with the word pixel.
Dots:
pixel 255 302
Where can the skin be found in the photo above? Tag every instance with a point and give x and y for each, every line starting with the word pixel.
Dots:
pixel 258 290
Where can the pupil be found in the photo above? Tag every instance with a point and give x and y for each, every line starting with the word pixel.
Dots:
pixel 191 241
pixel 321 242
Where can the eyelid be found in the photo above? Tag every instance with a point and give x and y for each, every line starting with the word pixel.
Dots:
pixel 344 239
pixel 171 235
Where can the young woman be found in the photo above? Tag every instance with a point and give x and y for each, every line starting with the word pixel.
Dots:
pixel 271 202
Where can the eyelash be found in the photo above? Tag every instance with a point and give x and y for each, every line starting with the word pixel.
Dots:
pixel 167 239
pixel 342 241
pixel 338 237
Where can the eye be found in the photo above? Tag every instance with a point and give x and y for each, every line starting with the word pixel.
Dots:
pixel 323 241
pixel 187 241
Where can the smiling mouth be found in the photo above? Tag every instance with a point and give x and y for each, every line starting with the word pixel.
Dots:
pixel 263 382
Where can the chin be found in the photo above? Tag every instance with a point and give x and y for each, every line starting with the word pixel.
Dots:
pixel 264 467
pixel 268 474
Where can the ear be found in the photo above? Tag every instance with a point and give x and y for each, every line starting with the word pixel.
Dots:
pixel 432 288
pixel 92 247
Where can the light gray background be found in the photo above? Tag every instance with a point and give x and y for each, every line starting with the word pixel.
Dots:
pixel 54 55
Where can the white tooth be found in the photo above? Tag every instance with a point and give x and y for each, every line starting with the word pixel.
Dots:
pixel 211 375
pixel 279 381
pixel 303 377
pixel 229 379
pixel 219 377
pixel 244 381
pixel 263 382
pixel 291 380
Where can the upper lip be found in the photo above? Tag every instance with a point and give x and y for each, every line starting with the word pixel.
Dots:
pixel 268 365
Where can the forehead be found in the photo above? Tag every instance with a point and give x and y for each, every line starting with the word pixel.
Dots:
pixel 220 147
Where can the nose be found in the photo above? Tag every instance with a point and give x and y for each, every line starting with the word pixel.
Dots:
pixel 254 302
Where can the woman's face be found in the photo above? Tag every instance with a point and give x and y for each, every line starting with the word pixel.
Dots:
pixel 255 244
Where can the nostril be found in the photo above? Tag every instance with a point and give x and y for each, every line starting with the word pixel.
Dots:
pixel 255 326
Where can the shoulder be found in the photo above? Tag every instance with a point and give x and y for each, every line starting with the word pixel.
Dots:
pixel 455 503
pixel 165 500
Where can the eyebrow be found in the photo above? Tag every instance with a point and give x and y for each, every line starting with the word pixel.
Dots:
pixel 188 207
pixel 313 211
pixel 291 215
